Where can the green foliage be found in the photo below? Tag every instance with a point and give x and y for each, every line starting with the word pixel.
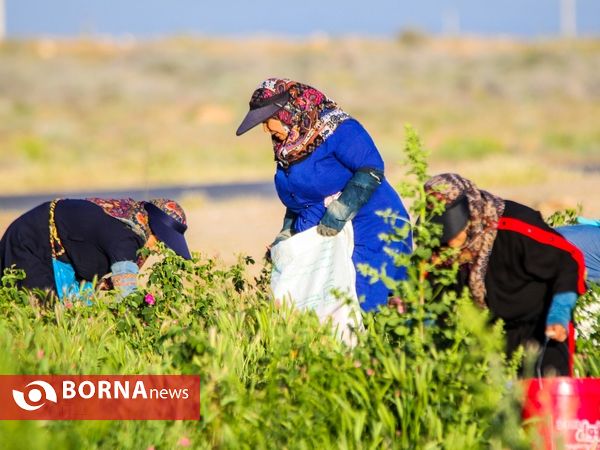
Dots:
pixel 567 216
pixel 458 375
pixel 33 149
pixel 70 107
pixel 271 377
pixel 587 317
pixel 578 143
pixel 432 377
pixel 469 148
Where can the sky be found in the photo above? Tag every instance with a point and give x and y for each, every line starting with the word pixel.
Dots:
pixel 154 18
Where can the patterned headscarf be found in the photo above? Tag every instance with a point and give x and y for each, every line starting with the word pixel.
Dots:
pixel 310 116
pixel 127 210
pixel 485 209
pixel 133 214
pixel 171 208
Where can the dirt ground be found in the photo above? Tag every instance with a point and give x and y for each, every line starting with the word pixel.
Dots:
pixel 242 226
pixel 245 226
pixel 221 229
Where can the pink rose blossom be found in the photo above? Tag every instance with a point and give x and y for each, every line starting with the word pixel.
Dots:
pixel 149 298
pixel 40 354
pixel 184 442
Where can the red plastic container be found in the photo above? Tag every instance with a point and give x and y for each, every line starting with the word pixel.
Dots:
pixel 566 412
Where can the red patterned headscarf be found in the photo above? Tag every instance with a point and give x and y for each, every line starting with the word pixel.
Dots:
pixel 127 210
pixel 309 115
pixel 133 214
pixel 485 209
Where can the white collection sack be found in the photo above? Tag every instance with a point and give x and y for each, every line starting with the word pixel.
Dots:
pixel 307 268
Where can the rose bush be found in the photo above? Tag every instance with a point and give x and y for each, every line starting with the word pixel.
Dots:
pixel 432 377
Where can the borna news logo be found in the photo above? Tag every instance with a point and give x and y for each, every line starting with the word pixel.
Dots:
pixel 34 396
pixel 100 397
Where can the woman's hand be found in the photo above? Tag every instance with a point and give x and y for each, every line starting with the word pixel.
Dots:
pixel 334 219
pixel 104 284
pixel 282 236
pixel 324 230
pixel 397 304
pixel 267 255
pixel 559 315
pixel 557 332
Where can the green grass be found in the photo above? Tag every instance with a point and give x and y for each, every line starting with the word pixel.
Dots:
pixel 85 114
pixel 469 148
pixel 274 377
pixel 270 377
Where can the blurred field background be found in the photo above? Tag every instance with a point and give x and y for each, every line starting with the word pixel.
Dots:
pixel 519 117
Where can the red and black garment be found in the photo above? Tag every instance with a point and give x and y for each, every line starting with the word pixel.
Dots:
pixel 515 265
pixel 529 263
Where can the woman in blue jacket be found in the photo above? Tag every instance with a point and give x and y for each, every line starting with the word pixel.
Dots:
pixel 329 172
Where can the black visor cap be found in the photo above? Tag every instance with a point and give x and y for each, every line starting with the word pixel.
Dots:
pixel 261 111
pixel 454 219
pixel 168 230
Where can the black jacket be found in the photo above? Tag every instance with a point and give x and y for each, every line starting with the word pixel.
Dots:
pixel 529 263
pixel 93 240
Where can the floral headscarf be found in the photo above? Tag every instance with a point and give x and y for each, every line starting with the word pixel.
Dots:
pixel 485 209
pixel 171 208
pixel 133 214
pixel 310 116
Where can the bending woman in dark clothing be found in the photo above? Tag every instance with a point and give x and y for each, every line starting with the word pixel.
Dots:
pixel 62 243
pixel 514 264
